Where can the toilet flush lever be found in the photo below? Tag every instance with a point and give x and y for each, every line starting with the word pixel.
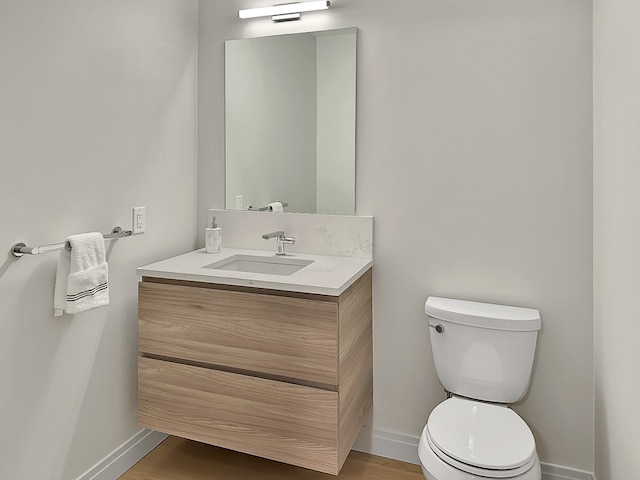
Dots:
pixel 438 328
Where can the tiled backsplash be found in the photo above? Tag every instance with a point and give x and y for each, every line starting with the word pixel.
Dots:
pixel 344 235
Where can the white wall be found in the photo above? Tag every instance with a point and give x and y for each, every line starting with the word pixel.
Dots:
pixel 98 114
pixel 616 45
pixel 474 155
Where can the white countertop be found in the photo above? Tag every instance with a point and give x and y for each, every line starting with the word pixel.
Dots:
pixel 327 275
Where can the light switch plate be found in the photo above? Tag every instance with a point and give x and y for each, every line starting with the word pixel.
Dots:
pixel 139 220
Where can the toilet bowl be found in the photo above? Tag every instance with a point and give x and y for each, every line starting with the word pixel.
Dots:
pixel 465 439
pixel 483 355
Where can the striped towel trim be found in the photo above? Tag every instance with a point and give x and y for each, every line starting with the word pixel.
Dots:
pixel 87 293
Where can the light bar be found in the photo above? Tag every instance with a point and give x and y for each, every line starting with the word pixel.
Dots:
pixel 283 10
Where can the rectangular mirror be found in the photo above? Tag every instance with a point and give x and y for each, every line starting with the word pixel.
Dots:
pixel 290 111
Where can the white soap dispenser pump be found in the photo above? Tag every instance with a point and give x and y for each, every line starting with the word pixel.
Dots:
pixel 213 237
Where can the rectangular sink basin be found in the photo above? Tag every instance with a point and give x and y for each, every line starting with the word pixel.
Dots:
pixel 256 264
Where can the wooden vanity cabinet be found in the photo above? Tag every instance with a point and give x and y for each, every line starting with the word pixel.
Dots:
pixel 282 375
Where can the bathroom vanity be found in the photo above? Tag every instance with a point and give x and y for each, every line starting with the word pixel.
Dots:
pixel 270 364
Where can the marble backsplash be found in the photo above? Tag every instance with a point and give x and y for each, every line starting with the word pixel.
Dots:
pixel 343 235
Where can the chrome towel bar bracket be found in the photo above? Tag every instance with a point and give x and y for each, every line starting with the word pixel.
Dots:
pixel 19 249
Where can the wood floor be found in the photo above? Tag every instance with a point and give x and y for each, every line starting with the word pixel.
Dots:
pixel 180 459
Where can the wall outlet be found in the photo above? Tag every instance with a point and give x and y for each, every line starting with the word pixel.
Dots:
pixel 239 202
pixel 139 220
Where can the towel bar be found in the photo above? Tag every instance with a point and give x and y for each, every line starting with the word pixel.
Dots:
pixel 264 209
pixel 20 249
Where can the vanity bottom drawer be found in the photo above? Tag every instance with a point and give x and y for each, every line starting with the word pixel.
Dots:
pixel 289 423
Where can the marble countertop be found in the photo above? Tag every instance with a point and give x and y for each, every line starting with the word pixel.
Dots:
pixel 327 275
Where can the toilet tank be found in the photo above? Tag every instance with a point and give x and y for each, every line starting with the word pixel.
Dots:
pixel 481 350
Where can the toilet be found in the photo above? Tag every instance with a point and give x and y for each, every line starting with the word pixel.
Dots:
pixel 483 354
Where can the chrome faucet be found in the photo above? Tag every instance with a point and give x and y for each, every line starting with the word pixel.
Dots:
pixel 281 240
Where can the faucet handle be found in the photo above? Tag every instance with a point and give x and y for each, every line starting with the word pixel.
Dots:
pixel 278 234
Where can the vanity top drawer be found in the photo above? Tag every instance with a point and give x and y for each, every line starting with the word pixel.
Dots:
pixel 280 336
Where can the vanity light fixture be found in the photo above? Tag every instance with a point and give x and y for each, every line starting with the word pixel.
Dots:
pixel 284 12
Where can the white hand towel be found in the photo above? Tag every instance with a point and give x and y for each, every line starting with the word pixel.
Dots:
pixel 82 278
pixel 275 207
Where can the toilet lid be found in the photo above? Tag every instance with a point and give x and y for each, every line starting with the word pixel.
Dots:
pixel 481 435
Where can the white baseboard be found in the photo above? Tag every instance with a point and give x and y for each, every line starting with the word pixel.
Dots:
pixel 388 444
pixel 405 448
pixel 558 472
pixel 125 456
pixel 371 440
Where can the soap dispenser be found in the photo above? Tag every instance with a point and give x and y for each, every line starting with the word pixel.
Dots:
pixel 213 237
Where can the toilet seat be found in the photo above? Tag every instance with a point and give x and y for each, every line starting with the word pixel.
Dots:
pixel 481 472
pixel 481 438
pixel 434 468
